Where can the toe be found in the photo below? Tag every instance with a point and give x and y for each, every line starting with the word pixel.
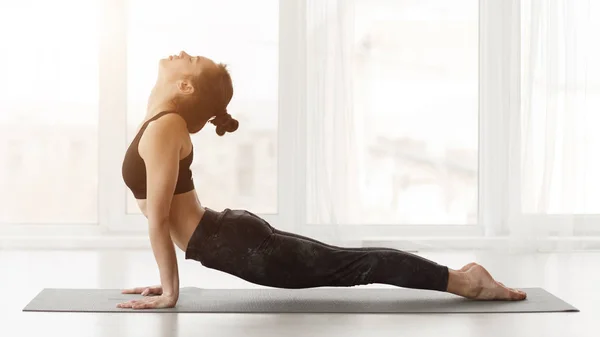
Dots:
pixel 515 295
pixel 521 295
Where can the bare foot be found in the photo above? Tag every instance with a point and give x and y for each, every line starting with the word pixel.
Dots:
pixel 482 286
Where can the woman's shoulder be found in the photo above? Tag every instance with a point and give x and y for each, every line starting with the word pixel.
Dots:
pixel 169 124
pixel 170 128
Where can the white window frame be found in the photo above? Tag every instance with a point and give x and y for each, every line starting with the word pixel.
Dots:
pixel 499 91
pixel 500 84
pixel 495 94
pixel 499 45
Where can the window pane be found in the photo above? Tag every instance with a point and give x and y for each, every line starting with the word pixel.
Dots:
pixel 560 95
pixel 244 35
pixel 48 120
pixel 416 73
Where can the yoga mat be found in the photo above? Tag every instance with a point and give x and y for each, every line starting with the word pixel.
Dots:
pixel 315 300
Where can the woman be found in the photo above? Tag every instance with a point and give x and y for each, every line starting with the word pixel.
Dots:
pixel 189 92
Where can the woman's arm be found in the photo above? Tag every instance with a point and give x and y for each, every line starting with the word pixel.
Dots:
pixel 160 148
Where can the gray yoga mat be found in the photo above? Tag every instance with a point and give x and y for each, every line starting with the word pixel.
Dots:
pixel 316 300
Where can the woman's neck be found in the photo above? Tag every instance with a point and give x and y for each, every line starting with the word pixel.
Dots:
pixel 158 103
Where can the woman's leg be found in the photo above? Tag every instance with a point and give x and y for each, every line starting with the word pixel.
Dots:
pixel 288 262
pixel 248 247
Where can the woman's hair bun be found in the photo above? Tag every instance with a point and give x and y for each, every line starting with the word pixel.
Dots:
pixel 225 123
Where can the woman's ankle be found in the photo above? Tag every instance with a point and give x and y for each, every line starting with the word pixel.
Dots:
pixel 460 284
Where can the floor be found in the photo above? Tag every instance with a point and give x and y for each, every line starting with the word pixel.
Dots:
pixel 575 277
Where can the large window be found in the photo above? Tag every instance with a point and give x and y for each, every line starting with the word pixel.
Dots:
pixel 49 111
pixel 560 113
pixel 416 92
pixel 238 170
pixel 382 115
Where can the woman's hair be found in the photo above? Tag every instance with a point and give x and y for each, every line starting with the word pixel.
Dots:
pixel 213 92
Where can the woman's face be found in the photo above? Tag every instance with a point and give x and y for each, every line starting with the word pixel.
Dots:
pixel 182 65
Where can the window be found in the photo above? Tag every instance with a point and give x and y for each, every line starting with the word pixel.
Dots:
pixel 48 119
pixel 245 36
pixel 560 77
pixel 358 112
pixel 416 93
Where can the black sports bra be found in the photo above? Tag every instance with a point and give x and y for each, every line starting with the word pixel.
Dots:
pixel 134 168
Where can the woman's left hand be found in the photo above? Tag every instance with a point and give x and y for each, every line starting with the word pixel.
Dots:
pixel 152 302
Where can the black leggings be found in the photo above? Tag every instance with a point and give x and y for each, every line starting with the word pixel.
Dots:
pixel 242 244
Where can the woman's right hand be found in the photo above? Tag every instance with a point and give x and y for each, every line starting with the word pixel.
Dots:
pixel 145 291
